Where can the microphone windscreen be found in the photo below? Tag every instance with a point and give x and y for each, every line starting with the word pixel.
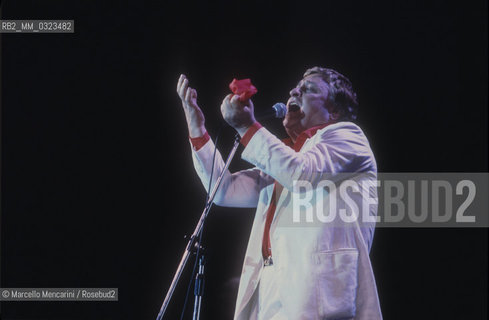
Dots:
pixel 280 110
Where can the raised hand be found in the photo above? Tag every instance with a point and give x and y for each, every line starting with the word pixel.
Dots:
pixel 193 113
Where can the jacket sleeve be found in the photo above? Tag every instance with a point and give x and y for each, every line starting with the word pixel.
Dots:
pixel 240 189
pixel 343 148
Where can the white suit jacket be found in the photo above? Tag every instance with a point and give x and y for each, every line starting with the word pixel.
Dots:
pixel 323 271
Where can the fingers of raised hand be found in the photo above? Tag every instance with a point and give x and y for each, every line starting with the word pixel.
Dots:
pixel 182 87
pixel 188 96
pixel 180 81
pixel 193 96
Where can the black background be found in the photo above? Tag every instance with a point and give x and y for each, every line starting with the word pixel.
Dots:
pixel 98 187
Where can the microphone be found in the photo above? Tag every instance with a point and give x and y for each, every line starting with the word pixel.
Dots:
pixel 277 111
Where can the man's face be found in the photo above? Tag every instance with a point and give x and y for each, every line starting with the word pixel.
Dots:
pixel 308 104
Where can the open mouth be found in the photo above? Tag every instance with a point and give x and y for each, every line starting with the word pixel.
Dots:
pixel 294 107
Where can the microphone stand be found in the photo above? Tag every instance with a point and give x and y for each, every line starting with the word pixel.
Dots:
pixel 199 288
pixel 193 243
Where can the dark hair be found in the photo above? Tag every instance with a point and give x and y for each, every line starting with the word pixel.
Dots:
pixel 341 91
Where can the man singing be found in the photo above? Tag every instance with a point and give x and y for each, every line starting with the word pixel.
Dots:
pixel 319 271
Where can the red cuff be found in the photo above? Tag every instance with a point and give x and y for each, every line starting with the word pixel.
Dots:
pixel 250 133
pixel 199 142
